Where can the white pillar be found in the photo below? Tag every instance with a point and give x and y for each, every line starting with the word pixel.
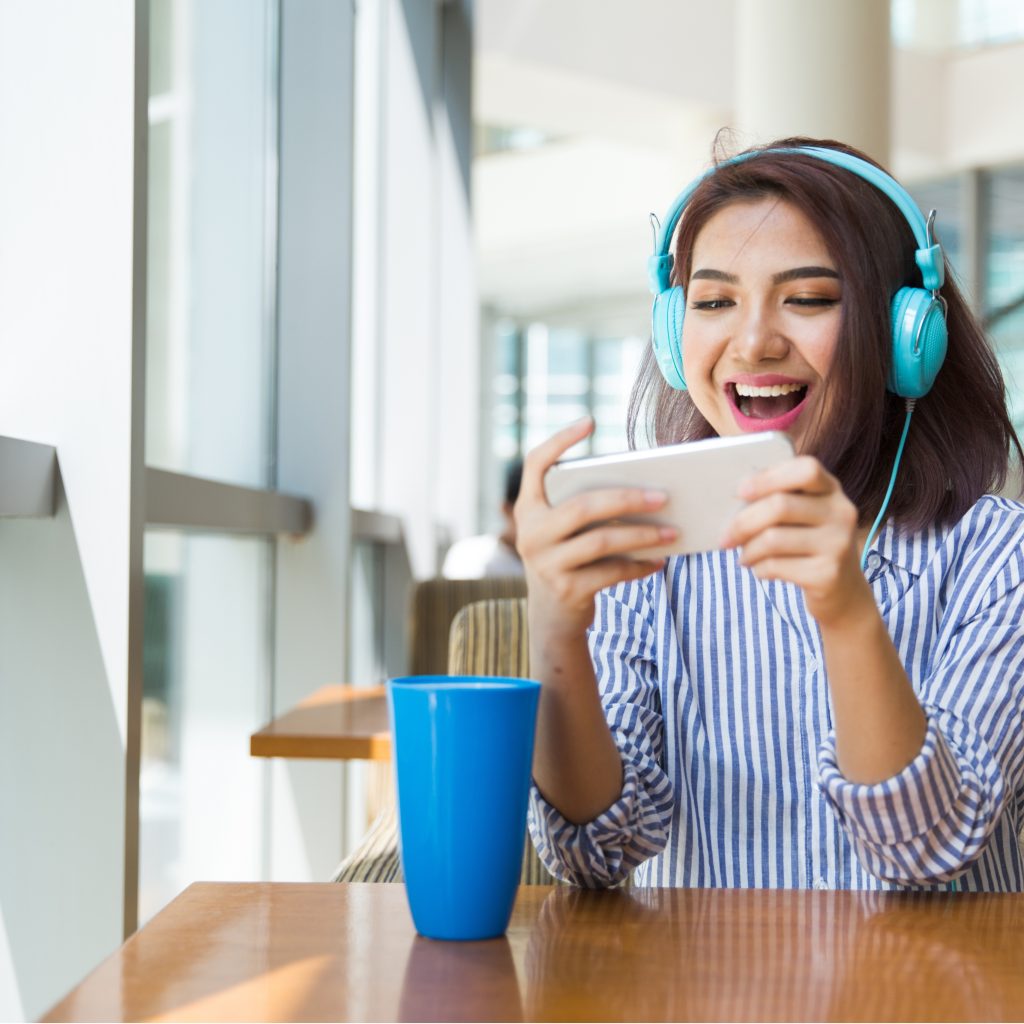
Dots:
pixel 814 67
pixel 73 78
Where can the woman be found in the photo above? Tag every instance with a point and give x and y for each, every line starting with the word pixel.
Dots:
pixel 774 713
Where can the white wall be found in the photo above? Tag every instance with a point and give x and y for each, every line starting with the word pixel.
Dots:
pixel 69 365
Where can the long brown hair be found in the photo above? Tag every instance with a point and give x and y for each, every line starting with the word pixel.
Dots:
pixel 961 435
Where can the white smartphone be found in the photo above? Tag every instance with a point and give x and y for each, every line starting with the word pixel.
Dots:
pixel 700 479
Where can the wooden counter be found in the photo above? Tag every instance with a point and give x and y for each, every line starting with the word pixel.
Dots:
pixel 270 952
pixel 337 721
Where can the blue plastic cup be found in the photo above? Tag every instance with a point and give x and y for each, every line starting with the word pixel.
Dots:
pixel 463 750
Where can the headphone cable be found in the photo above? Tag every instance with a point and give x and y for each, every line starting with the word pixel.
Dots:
pixel 892 483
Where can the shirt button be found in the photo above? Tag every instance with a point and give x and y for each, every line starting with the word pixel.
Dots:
pixel 874 561
pixel 820 883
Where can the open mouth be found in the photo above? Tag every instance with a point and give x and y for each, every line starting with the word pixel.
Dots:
pixel 766 406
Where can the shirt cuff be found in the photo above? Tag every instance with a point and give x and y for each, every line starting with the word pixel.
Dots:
pixel 898 809
pixel 601 852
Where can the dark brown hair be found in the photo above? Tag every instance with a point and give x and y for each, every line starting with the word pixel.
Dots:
pixel 961 434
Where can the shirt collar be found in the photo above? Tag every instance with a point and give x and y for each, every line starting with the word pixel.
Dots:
pixel 908 550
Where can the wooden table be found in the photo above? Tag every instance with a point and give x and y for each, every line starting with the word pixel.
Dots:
pixel 337 721
pixel 349 952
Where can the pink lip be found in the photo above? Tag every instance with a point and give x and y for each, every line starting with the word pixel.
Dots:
pixel 749 424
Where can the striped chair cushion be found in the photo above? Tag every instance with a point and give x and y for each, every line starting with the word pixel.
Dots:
pixel 489 638
pixel 376 857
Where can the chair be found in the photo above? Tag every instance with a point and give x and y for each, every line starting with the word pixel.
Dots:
pixel 435 603
pixel 486 638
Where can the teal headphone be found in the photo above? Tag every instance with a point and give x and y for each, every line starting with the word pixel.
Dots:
pixel 918 315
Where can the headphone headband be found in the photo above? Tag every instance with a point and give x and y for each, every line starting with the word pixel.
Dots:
pixel 917 315
pixel 928 255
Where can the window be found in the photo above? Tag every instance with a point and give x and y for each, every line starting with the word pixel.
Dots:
pixel 212 217
pixel 1004 278
pixel 209 412
pixel 956 24
pixel 542 378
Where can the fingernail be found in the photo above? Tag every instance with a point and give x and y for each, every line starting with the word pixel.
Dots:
pixel 655 497
pixel 667 533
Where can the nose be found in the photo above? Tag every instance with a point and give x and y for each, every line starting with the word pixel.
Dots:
pixel 759 336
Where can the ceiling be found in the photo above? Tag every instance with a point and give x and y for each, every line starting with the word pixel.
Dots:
pixel 630 97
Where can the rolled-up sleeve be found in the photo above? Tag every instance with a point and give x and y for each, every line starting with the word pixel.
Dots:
pixel 604 851
pixel 930 821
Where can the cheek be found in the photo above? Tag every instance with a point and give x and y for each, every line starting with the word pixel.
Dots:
pixel 819 350
pixel 700 354
pixel 817 339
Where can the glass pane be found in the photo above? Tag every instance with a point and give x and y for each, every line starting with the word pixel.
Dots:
pixel 205 690
pixel 988 22
pixel 212 162
pixel 945 198
pixel 955 24
pixel 1004 260
pixel 567 374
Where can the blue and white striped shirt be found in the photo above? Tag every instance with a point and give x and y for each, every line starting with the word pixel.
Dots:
pixel 714 686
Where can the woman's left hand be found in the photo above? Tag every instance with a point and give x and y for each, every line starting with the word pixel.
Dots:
pixel 799 526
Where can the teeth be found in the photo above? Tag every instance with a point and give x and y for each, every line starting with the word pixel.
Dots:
pixel 771 391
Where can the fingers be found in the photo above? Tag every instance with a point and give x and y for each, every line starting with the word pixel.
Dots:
pixel 563 545
pixel 547 453
pixel 575 590
pixel 813 574
pixel 619 570
pixel 541 526
pixel 583 511
pixel 609 542
pixel 581 545
pixel 804 473
pixel 783 508
pixel 798 526
pixel 783 542
pixel 800 492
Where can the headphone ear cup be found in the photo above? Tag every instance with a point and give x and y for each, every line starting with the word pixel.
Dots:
pixel 919 341
pixel 667 335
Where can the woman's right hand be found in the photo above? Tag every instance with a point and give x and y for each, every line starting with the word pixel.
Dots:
pixel 575 549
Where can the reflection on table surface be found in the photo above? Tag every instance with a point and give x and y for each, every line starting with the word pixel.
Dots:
pixel 349 952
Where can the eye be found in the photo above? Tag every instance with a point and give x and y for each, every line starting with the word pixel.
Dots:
pixel 711 304
pixel 812 301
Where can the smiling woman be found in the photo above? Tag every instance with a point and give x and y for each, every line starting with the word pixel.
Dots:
pixel 797 288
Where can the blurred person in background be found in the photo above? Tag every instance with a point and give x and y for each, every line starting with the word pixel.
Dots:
pixel 490 555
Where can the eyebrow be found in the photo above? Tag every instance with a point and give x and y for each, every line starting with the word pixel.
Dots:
pixel 799 272
pixel 709 274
